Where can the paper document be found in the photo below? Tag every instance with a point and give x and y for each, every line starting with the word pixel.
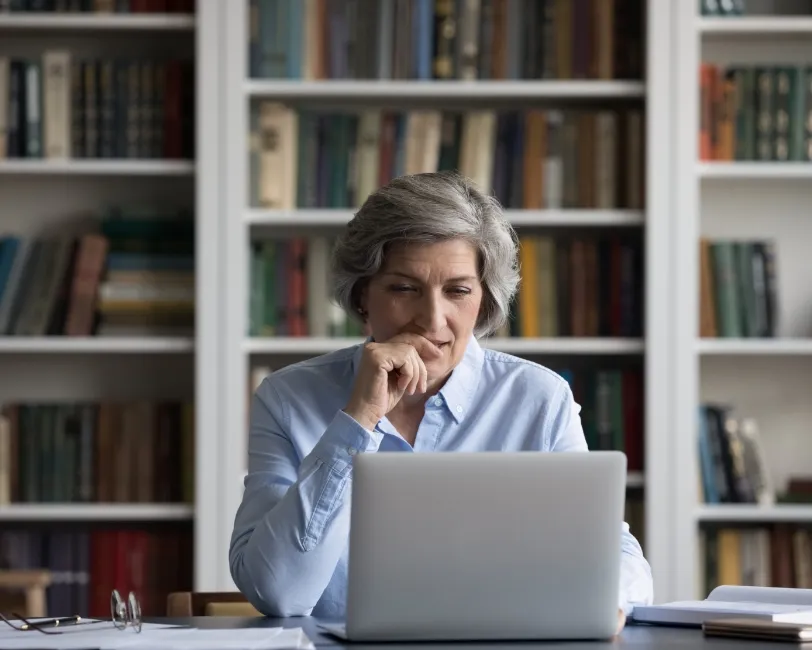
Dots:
pixel 89 634
pixel 693 612
pixel 269 638
pixel 104 636
pixel 766 603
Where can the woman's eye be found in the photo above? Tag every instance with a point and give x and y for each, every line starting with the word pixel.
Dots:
pixel 459 291
pixel 401 288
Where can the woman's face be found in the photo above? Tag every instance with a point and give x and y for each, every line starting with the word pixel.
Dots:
pixel 428 289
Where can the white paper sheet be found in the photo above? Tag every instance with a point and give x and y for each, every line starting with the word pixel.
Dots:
pixel 91 634
pixel 275 638
pixel 104 636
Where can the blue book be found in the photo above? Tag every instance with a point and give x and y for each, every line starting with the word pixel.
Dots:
pixel 422 33
pixel 8 251
pixel 142 262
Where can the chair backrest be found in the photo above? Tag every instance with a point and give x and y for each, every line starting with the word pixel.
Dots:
pixel 23 591
pixel 208 603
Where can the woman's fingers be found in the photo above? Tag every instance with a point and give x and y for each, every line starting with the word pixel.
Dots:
pixel 420 372
pixel 404 369
pixel 414 386
pixel 405 361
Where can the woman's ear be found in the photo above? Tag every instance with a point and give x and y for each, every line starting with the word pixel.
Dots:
pixel 363 296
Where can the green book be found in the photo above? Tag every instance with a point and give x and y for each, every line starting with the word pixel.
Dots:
pixel 269 313
pixel 747 290
pixel 785 91
pixel 709 7
pixel 744 116
pixel 728 308
pixel 765 114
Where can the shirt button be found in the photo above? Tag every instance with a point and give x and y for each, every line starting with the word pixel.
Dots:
pixel 459 409
pixel 438 401
pixel 352 451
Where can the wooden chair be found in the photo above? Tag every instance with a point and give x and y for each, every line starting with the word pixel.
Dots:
pixel 23 591
pixel 208 603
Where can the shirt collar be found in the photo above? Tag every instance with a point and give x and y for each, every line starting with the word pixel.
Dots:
pixel 458 391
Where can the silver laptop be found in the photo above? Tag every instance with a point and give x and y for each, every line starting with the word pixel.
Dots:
pixel 484 545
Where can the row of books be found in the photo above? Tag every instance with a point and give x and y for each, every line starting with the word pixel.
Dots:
pixel 722 7
pixel 87 563
pixel 761 113
pixel 798 490
pixel 758 556
pixel 62 107
pixel 611 410
pixel 108 452
pixel 530 159
pixel 444 39
pixel 131 274
pixel 579 285
pixel 731 458
pixel 738 289
pixel 571 286
pixel 290 290
pixel 99 6
pixel 728 8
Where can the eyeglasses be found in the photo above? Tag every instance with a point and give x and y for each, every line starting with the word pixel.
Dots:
pixel 123 613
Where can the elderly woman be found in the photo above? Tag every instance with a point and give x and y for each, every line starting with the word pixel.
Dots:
pixel 429 264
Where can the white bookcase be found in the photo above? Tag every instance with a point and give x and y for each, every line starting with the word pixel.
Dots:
pixel 767 379
pixel 41 193
pixel 240 223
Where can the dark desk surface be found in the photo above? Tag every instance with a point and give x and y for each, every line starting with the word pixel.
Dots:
pixel 633 636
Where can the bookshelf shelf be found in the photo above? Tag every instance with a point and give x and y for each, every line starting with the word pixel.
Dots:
pixel 58 251
pixel 755 26
pixel 520 346
pixel 296 345
pixel 528 346
pixel 96 512
pixel 763 347
pixel 755 170
pixel 97 167
pixel 487 90
pixel 746 513
pixel 94 345
pixel 97 22
pixel 327 217
pixel 752 389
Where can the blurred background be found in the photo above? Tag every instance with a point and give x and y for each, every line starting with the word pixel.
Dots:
pixel 173 174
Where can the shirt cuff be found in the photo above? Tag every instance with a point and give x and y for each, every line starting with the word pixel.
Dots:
pixel 343 439
pixel 626 607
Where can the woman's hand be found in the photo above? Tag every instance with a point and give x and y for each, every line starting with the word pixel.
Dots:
pixel 387 372
pixel 621 621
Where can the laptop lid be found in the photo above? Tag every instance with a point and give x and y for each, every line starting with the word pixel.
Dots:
pixel 485 545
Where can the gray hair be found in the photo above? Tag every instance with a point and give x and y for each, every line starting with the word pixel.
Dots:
pixel 429 208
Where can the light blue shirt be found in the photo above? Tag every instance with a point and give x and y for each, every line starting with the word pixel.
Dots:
pixel 289 546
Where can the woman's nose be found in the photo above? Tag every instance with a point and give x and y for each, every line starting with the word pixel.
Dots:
pixel 431 317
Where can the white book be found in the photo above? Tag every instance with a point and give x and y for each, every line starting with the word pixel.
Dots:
pixel 318 289
pixel 763 603
pixel 368 153
pixel 277 162
pixel 57 104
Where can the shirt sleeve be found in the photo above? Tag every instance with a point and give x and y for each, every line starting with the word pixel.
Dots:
pixel 565 433
pixel 292 524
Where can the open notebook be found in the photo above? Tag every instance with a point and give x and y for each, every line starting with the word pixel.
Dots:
pixel 764 603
